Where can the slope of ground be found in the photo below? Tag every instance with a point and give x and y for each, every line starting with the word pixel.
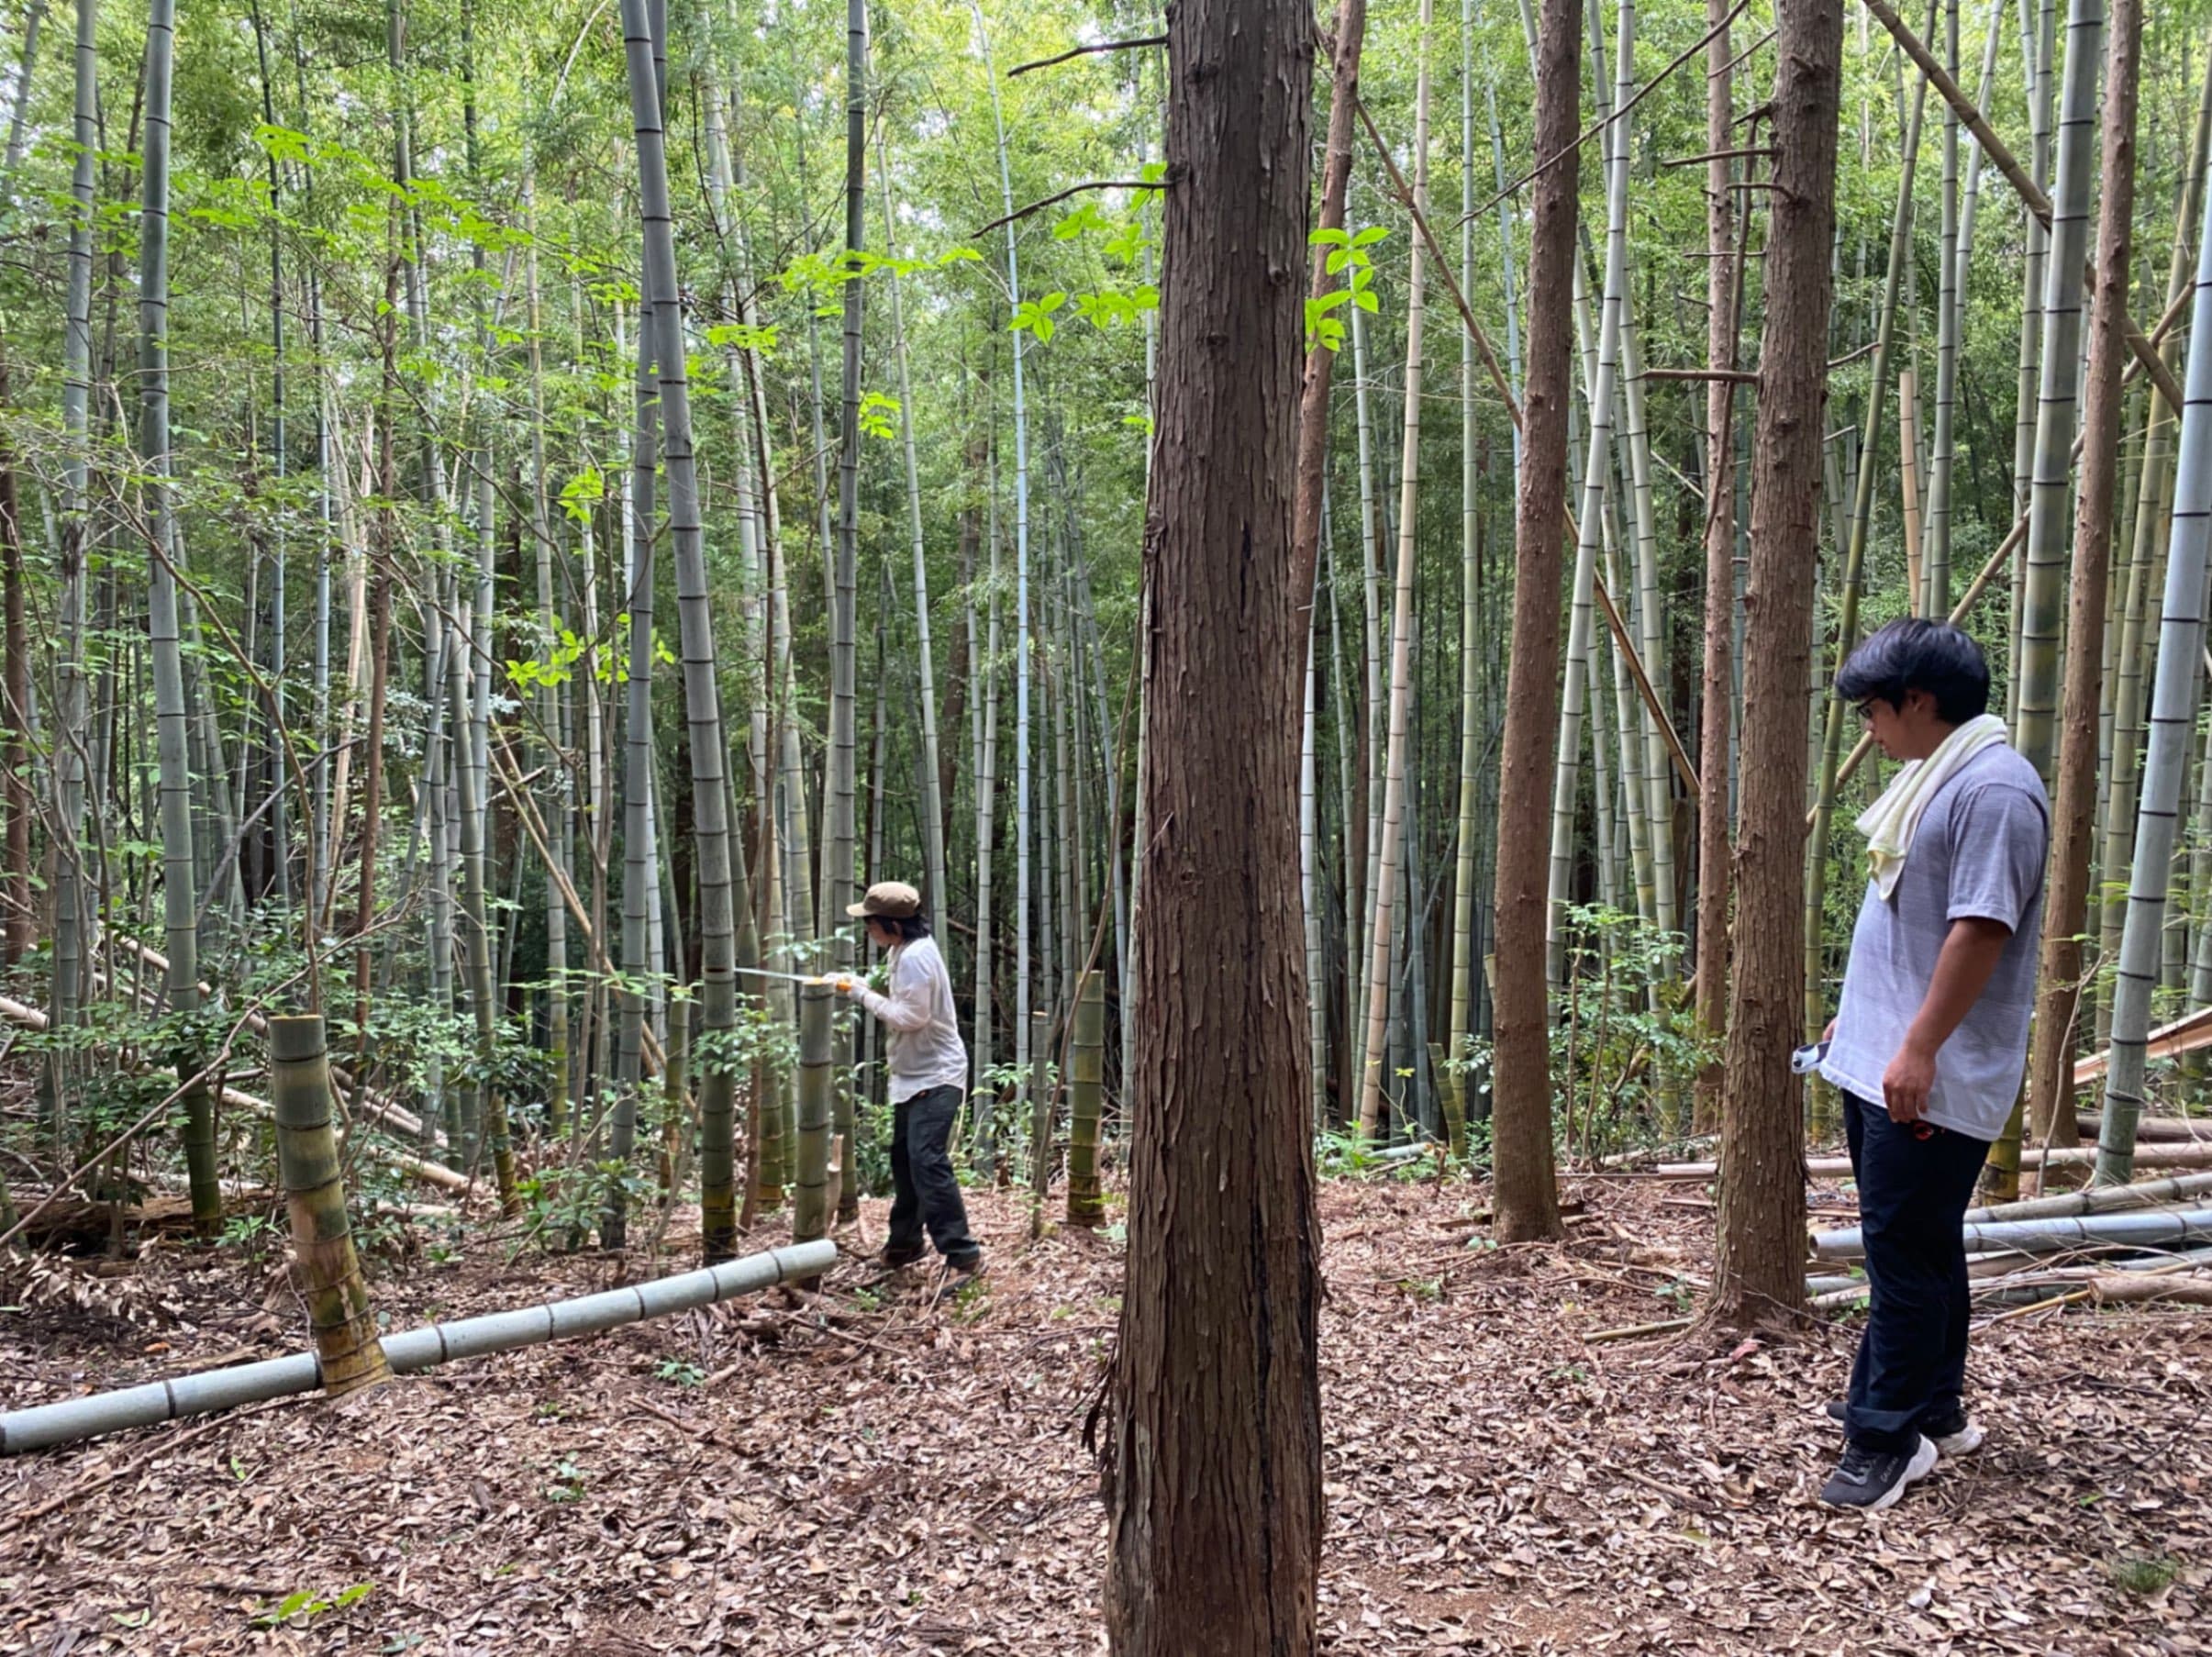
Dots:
pixel 890 1470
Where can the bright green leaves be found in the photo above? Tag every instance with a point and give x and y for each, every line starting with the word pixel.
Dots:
pixel 1035 315
pixel 1086 218
pixel 1347 252
pixel 742 337
pixel 582 492
pixel 875 413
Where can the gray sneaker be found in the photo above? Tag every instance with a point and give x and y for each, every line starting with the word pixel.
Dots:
pixel 1871 1480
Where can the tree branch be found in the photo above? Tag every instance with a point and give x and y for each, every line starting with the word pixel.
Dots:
pixel 1079 52
pixel 1096 183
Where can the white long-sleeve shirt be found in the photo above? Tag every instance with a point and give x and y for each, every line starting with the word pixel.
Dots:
pixel 923 1044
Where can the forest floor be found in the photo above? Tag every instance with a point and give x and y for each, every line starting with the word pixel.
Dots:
pixel 907 1475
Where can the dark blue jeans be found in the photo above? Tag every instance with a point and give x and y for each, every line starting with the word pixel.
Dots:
pixel 1913 1196
pixel 924 1191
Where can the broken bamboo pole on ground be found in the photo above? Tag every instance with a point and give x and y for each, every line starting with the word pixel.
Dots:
pixel 2097 1199
pixel 47 1425
pixel 1836 1167
pixel 2151 1229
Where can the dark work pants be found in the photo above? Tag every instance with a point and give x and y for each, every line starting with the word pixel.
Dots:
pixel 924 1190
pixel 1913 1196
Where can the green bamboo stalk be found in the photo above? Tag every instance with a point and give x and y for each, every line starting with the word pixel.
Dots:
pixel 72 980
pixel 932 804
pixel 2153 502
pixel 2038 50
pixel 702 693
pixel 810 1195
pixel 1596 458
pixel 1453 1080
pixel 2034 732
pixel 1401 644
pixel 1936 544
pixel 173 716
pixel 2173 724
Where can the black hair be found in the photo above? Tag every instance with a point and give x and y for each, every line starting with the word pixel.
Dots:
pixel 907 927
pixel 1911 654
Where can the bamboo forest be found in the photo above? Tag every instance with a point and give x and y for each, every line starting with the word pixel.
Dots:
pixel 1229 828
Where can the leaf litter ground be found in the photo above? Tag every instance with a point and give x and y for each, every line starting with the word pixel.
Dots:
pixel 891 1468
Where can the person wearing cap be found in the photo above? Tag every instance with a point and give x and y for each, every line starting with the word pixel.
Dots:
pixel 928 1078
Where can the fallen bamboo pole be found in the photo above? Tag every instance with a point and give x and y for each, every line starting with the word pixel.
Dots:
pixel 2142 1229
pixel 2097 1199
pixel 1832 1167
pixel 48 1425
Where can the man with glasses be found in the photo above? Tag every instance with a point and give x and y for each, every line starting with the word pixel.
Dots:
pixel 1931 1036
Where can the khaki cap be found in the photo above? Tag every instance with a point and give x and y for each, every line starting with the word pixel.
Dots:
pixel 891 899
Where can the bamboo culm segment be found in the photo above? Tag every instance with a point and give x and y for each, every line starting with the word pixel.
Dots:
pixel 809 1208
pixel 1086 1093
pixel 344 1322
pixel 2165 762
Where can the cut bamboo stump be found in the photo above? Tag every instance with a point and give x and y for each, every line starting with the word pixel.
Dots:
pixel 345 1342
pixel 1085 1093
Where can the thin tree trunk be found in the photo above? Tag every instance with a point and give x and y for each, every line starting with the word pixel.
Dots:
pixel 1757 1272
pixel 1525 1193
pixel 2051 1068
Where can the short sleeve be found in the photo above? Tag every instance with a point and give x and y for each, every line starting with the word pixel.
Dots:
pixel 2000 836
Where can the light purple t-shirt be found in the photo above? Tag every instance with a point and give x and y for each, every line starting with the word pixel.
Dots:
pixel 1979 851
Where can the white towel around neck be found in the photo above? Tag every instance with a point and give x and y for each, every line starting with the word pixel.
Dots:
pixel 1891 821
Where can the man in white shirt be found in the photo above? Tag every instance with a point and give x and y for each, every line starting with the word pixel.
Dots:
pixel 928 1072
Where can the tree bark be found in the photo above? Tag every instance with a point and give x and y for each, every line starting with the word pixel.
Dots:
pixel 1525 1194
pixel 1758 1274
pixel 2051 1072
pixel 1212 1480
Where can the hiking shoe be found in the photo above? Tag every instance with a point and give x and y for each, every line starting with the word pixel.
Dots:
pixel 1957 1435
pixel 891 1260
pixel 966 1266
pixel 1871 1480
